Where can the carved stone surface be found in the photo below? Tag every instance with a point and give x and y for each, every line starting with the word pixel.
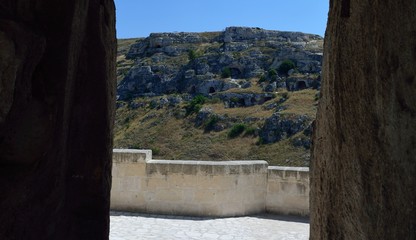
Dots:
pixel 364 151
pixel 57 91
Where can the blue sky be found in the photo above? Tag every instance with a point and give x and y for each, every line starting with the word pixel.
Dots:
pixel 138 18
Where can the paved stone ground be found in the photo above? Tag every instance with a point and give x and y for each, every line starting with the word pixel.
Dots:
pixel 129 226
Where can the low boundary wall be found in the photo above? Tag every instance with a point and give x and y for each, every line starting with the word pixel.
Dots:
pixel 288 190
pixel 205 188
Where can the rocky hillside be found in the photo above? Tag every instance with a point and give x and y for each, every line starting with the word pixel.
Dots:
pixel 243 93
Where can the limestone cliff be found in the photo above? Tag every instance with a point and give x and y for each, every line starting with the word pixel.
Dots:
pixel 264 83
pixel 198 62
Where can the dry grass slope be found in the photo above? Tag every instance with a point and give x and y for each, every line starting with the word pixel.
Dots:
pixel 172 135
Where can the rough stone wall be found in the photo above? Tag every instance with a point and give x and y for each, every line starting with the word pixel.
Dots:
pixel 57 90
pixel 364 154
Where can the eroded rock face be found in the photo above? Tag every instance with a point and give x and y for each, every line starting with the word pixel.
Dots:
pixel 364 151
pixel 179 62
pixel 57 90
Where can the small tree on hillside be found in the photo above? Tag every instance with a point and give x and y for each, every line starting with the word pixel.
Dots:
pixel 285 66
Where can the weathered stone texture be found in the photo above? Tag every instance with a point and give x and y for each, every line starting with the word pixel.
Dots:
pixel 364 154
pixel 57 90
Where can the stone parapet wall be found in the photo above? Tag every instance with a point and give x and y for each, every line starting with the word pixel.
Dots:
pixel 288 190
pixel 203 188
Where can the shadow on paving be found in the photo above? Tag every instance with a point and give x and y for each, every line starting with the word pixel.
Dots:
pixel 286 218
pixel 266 216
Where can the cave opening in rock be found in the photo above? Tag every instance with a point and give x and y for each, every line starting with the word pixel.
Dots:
pixel 212 90
pixel 300 85
pixel 235 73
pixel 267 99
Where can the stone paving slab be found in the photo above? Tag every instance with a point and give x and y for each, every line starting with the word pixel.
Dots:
pixel 132 226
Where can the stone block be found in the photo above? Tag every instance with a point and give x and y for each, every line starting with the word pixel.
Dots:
pixel 223 196
pixel 156 183
pixel 182 181
pixel 130 155
pixel 304 176
pixel 162 169
pixel 254 207
pixel 193 209
pixel 276 174
pixel 260 168
pixel 232 208
pixel 219 169
pixel 223 182
pixel 244 181
pixel 131 169
pixel 175 168
pixel 159 207
pixel 115 184
pixel 291 175
pixel 205 169
pixel 210 210
pixel 247 169
pixel 168 195
pixel 190 181
pixel 130 184
pixel 273 187
pixel 260 181
pixel 204 181
pixel 151 169
pixel 188 195
pixel 114 170
pixel 190 169
pixel 233 169
pixel 205 196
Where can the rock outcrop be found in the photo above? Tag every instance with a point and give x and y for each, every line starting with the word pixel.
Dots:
pixel 57 91
pixel 204 62
pixel 364 147
pixel 279 127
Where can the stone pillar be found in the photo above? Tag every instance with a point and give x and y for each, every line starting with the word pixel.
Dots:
pixel 57 90
pixel 363 171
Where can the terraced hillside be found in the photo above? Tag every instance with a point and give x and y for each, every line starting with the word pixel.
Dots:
pixel 243 93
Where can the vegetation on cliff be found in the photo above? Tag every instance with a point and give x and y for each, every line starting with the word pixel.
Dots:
pixel 198 96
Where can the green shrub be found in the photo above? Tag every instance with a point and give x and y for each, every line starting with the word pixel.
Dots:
pixel 195 105
pixel 236 130
pixel 285 66
pixel 284 95
pixel 226 72
pixel 192 54
pixel 210 124
pixel 199 99
pixel 250 131
pixel 317 96
pixel 135 146
pixel 272 73
pixel 262 79
pixel 234 99
pixel 155 151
